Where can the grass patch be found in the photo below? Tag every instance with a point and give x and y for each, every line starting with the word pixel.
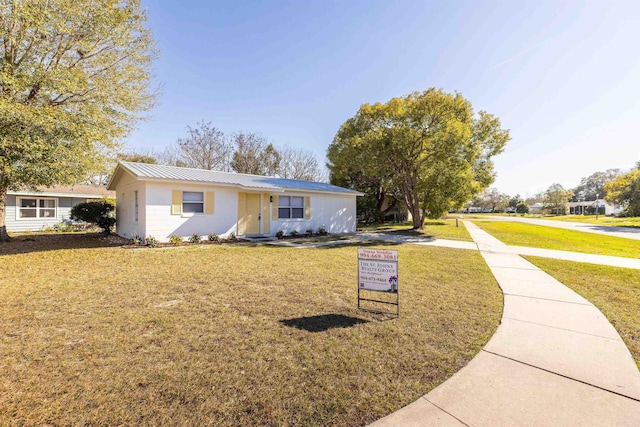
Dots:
pixel 606 221
pixel 433 228
pixel 92 334
pixel 538 236
pixel 615 291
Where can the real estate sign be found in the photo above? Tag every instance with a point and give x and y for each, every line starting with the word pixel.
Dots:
pixel 378 270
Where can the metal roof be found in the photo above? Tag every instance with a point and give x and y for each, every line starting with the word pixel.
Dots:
pixel 147 171
pixel 78 191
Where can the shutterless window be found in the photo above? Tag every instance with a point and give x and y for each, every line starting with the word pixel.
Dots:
pixel 192 202
pixel 290 207
pixel 37 208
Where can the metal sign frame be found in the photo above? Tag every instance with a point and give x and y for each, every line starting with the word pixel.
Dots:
pixel 397 288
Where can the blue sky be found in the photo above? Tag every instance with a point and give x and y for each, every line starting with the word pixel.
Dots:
pixel 564 77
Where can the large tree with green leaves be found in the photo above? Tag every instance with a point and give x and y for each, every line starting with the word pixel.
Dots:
pixel 74 78
pixel 427 147
pixel 556 199
pixel 625 191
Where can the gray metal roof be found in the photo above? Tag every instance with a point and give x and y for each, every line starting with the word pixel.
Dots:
pixel 173 173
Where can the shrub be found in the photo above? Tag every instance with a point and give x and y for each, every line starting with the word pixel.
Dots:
pixel 99 213
pixel 322 231
pixel 151 241
pixel 63 227
pixel 280 234
pixel 309 232
pixel 232 237
pixel 175 239
pixel 522 208
pixel 294 233
pixel 135 240
pixel 195 238
pixel 213 237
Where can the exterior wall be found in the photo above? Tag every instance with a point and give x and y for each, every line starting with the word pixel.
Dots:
pixel 161 224
pixel 126 225
pixel 63 211
pixel 336 213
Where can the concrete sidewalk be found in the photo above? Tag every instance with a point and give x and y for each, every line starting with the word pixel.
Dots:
pixel 625 232
pixel 554 360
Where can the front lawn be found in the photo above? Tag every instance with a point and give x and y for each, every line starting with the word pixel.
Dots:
pixel 607 221
pixel 433 228
pixel 538 236
pixel 615 291
pixel 93 334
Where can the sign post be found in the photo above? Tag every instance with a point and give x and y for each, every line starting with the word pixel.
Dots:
pixel 378 272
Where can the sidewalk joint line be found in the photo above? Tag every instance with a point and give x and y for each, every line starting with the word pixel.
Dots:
pixel 550 299
pixel 445 411
pixel 565 329
pixel 563 376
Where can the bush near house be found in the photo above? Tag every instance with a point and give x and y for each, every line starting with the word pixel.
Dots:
pixel 99 213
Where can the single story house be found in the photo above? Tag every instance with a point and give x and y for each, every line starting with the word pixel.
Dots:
pixel 161 201
pixel 33 211
pixel 589 208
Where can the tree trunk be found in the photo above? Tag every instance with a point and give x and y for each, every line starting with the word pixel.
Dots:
pixel 4 237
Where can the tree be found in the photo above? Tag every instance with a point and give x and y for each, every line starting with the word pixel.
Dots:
pixel 101 173
pixel 595 184
pixel 625 191
pixel 99 213
pixel 73 80
pixel 297 163
pixel 522 208
pixel 254 156
pixel 426 147
pixel 514 201
pixel 556 199
pixel 205 147
pixel 492 199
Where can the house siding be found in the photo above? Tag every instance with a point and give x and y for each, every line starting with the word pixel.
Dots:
pixel 15 224
pixel 126 225
pixel 161 224
pixel 334 212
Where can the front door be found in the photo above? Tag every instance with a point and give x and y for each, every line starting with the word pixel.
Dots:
pixel 252 214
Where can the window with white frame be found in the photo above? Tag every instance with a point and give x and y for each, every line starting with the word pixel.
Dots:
pixel 291 207
pixel 34 207
pixel 192 202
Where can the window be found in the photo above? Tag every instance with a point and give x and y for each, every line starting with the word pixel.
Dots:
pixel 192 202
pixel 291 207
pixel 36 208
pixel 135 206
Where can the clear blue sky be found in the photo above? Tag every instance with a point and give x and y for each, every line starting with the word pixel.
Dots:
pixel 564 77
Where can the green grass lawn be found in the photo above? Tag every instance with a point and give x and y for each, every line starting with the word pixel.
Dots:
pixel 433 228
pixel 94 334
pixel 602 220
pixel 537 236
pixel 615 291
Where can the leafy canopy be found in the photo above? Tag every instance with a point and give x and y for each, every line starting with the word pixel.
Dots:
pixel 625 191
pixel 73 80
pixel 426 148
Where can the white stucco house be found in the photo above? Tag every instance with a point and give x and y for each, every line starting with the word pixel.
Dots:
pixel 36 210
pixel 161 201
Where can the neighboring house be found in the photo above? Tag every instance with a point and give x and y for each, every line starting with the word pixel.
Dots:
pixel 32 211
pixel 536 207
pixel 589 208
pixel 160 201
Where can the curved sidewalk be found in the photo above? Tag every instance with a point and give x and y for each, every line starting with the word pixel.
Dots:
pixel 554 360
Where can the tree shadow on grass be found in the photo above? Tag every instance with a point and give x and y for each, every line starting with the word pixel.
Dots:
pixel 323 322
pixel 24 243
